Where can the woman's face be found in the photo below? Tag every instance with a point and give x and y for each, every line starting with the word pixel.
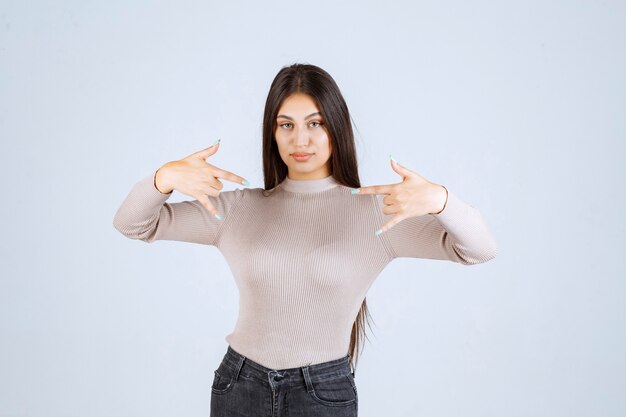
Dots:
pixel 301 130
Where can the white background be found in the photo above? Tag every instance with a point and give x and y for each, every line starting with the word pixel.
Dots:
pixel 518 107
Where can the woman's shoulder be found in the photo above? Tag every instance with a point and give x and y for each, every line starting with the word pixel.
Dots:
pixel 256 192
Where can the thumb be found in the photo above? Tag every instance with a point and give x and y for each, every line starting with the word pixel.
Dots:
pixel 404 172
pixel 205 153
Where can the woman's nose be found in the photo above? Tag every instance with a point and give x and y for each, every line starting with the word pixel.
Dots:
pixel 302 137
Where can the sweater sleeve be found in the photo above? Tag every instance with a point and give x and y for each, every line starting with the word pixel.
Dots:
pixel 145 215
pixel 458 234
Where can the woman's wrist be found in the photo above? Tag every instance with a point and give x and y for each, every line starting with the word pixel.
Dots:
pixel 445 202
pixel 157 183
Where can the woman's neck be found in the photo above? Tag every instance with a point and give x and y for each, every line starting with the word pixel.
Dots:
pixel 309 186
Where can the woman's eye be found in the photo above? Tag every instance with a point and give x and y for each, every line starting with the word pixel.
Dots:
pixel 318 123
pixel 283 125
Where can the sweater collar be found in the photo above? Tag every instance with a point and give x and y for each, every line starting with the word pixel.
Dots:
pixel 309 186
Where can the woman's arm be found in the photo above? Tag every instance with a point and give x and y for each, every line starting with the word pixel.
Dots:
pixel 458 234
pixel 145 215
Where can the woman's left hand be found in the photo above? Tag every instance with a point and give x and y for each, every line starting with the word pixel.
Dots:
pixel 414 196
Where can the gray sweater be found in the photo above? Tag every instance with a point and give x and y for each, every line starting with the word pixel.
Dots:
pixel 303 256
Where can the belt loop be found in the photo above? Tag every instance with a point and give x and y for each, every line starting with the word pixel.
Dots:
pixel 352 369
pixel 239 366
pixel 307 378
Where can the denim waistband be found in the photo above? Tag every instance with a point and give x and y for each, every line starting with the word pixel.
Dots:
pixel 316 372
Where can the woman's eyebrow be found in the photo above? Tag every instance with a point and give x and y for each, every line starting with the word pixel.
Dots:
pixel 289 118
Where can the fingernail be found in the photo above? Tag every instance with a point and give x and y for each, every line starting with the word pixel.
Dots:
pixel 356 191
pixel 379 231
pixel 218 141
pixel 217 216
pixel 392 158
pixel 245 182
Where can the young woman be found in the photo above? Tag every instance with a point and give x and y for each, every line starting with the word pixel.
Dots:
pixel 304 250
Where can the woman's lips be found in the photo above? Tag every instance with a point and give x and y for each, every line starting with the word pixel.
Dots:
pixel 301 157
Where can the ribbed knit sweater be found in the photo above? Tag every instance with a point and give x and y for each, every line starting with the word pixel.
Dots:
pixel 303 256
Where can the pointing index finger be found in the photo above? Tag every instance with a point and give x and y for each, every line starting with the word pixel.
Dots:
pixel 374 189
pixel 229 176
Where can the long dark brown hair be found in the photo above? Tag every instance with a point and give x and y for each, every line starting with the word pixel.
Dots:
pixel 317 83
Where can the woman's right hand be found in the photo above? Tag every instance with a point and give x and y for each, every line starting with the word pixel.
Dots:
pixel 195 177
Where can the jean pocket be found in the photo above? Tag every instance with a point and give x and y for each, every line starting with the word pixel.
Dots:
pixel 223 380
pixel 350 377
pixel 337 392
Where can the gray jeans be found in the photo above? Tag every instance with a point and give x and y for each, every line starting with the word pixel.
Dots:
pixel 242 387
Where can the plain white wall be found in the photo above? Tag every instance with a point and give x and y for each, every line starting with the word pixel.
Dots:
pixel 516 106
